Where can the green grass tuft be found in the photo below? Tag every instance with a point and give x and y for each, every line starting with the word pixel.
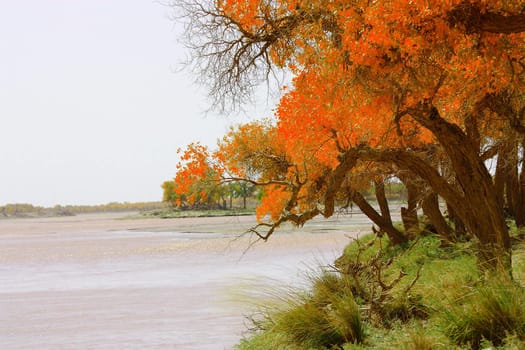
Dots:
pixel 493 311
pixel 327 317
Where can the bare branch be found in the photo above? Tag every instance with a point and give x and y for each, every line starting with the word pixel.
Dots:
pixel 233 60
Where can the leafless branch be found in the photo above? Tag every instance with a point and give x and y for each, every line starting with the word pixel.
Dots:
pixel 231 59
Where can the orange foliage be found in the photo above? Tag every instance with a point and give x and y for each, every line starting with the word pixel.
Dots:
pixel 361 70
pixel 272 203
pixel 250 149
pixel 193 170
pixel 192 167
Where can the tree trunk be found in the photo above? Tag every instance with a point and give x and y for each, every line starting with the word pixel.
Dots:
pixel 431 209
pixel 480 210
pixel 500 177
pixel 520 202
pixel 459 227
pixel 244 202
pixel 512 179
pixel 409 214
pixel 395 236
pixel 474 20
pixel 382 201
pixel 474 198
pixel 520 198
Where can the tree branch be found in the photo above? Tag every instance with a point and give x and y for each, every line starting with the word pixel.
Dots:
pixel 470 16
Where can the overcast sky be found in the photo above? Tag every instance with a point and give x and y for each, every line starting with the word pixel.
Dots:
pixel 91 107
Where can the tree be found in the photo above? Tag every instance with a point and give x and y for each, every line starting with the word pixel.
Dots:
pixel 196 182
pixel 244 190
pixel 406 84
pixel 201 181
pixel 168 193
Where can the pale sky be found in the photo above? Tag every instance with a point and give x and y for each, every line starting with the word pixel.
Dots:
pixel 92 109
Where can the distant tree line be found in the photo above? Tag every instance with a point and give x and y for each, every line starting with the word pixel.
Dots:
pixel 209 194
pixel 29 210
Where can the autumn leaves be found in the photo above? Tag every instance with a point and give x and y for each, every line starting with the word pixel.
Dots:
pixel 392 85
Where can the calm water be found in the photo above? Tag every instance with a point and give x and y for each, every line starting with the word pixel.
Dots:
pixel 145 290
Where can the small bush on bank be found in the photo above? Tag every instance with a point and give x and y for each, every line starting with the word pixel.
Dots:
pixel 382 278
pixel 493 311
pixel 326 317
pixel 405 308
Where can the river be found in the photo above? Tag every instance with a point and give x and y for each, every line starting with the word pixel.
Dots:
pixel 102 282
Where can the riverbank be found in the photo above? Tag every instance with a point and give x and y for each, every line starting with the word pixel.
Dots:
pixel 419 296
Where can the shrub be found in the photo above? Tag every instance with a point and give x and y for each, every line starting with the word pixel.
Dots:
pixel 327 317
pixel 493 311
pixel 404 307
pixel 376 282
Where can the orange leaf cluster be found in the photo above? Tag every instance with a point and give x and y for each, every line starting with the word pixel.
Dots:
pixel 272 203
pixel 362 71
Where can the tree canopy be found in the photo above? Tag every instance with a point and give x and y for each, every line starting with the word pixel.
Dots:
pixel 426 91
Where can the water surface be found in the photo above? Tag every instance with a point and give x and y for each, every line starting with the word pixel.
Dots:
pixel 95 282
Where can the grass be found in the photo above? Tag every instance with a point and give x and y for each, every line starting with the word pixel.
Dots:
pixel 430 297
pixel 323 317
pixel 492 312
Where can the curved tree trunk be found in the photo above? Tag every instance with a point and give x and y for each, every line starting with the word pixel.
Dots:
pixel 474 199
pixel 382 201
pixel 474 20
pixel 431 209
pixel 409 213
pixel 480 210
pixel 459 227
pixel 395 236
